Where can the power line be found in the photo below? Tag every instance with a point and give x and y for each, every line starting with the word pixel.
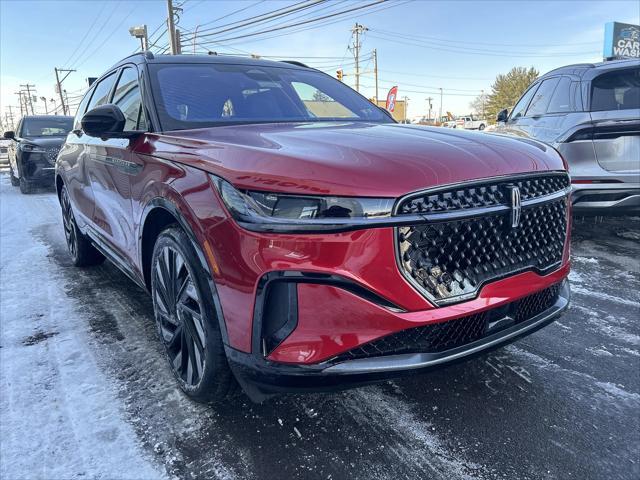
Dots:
pixel 313 20
pixel 86 34
pixel 474 42
pixel 468 51
pixel 262 17
pixel 323 23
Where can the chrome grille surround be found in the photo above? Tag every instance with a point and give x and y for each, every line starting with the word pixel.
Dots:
pixel 467 238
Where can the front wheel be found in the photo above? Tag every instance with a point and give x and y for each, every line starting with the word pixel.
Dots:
pixel 187 320
pixel 83 253
pixel 25 186
pixel 14 180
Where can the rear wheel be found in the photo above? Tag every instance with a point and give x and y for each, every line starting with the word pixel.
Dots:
pixel 82 252
pixel 481 127
pixel 187 320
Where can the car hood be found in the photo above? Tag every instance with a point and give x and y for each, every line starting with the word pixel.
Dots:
pixel 353 159
pixel 45 142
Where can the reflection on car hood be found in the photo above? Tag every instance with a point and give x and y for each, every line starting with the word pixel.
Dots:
pixel 350 158
pixel 45 142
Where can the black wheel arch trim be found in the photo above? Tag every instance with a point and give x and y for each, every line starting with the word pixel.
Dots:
pixel 169 206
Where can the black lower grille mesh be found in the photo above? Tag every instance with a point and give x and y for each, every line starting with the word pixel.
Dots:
pixel 456 333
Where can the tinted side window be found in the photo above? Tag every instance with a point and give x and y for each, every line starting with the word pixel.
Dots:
pixel 522 104
pixel 101 92
pixel 561 99
pixel 619 90
pixel 540 101
pixel 82 108
pixel 127 97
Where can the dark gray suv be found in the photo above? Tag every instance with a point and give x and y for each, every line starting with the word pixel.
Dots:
pixel 591 114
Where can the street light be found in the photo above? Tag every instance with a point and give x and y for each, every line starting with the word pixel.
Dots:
pixel 46 109
pixel 141 33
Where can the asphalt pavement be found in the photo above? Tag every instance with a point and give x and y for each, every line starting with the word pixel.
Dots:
pixel 79 353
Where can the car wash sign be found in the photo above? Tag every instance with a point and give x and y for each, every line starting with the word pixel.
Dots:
pixel 621 40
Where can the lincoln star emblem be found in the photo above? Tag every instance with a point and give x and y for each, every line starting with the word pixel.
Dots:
pixel 516 206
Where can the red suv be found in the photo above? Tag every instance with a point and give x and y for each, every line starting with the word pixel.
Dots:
pixel 295 238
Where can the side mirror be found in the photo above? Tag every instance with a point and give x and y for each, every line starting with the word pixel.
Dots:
pixel 105 121
pixel 502 115
pixel 9 135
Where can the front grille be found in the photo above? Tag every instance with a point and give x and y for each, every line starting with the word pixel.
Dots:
pixel 483 195
pixel 451 334
pixel 52 153
pixel 449 260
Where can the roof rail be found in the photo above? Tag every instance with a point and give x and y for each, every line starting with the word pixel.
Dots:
pixel 296 63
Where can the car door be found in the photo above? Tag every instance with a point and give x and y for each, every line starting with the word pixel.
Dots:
pixel 561 111
pixel 536 114
pixel 517 123
pixel 110 167
pixel 72 161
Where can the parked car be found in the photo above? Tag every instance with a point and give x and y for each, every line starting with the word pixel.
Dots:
pixel 297 244
pixel 471 123
pixel 591 114
pixel 4 152
pixel 33 150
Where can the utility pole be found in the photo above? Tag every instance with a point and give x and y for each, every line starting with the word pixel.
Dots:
pixel 440 117
pixel 20 98
pixel 10 107
pixel 28 87
pixel 171 28
pixel 375 70
pixel 59 87
pixel 357 30
pixel 482 97
pixel 429 99
pixel 178 43
pixel 406 107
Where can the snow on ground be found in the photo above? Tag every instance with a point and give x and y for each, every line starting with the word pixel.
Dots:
pixel 60 417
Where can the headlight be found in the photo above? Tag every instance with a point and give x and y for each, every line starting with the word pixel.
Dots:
pixel 27 147
pixel 276 212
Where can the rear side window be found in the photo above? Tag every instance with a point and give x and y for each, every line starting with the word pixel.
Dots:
pixel 101 92
pixel 127 97
pixel 561 100
pixel 619 90
pixel 541 99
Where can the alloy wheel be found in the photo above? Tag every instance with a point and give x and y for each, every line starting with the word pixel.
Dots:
pixel 69 222
pixel 179 314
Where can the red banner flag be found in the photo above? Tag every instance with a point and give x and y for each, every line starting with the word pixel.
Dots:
pixel 391 99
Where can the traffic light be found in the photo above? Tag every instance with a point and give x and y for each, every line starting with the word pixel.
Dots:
pixel 339 74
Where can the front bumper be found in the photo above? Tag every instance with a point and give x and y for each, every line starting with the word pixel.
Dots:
pixel 36 168
pixel 606 198
pixel 262 378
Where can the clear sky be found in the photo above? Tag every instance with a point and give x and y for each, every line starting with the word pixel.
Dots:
pixel 422 45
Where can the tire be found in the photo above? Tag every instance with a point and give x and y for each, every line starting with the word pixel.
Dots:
pixel 81 250
pixel 481 127
pixel 14 180
pixel 25 186
pixel 187 321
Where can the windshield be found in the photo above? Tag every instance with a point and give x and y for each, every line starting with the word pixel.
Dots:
pixel 46 127
pixel 202 95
